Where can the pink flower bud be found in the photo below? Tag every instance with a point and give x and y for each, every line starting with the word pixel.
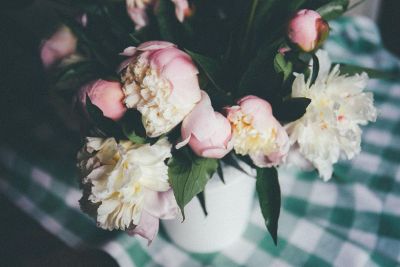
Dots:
pixel 257 133
pixel 60 45
pixel 107 96
pixel 137 10
pixel 160 81
pixel 207 132
pixel 181 9
pixel 137 13
pixel 308 30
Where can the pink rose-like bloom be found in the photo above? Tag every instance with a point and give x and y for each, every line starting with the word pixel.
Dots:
pixel 60 45
pixel 157 205
pixel 257 133
pixel 161 82
pixel 181 9
pixel 137 10
pixel 308 30
pixel 106 95
pixel 207 132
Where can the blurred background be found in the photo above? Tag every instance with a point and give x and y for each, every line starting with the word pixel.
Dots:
pixel 23 24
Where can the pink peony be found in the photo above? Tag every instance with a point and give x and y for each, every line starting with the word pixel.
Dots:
pixel 161 82
pixel 308 30
pixel 257 133
pixel 107 96
pixel 207 132
pixel 60 45
pixel 157 205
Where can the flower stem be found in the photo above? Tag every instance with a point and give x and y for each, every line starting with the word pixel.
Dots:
pixel 249 23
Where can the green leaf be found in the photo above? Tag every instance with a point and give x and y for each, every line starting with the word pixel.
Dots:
pixel 232 161
pixel 132 127
pixel 315 69
pixel 283 66
pixel 372 73
pixel 166 20
pixel 255 77
pixel 107 126
pixel 73 76
pixel 220 172
pixel 188 175
pixel 202 199
pixel 292 109
pixel 133 137
pixel 333 9
pixel 209 66
pixel 269 195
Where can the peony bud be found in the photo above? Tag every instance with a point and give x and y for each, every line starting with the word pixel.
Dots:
pixel 308 30
pixel 182 9
pixel 107 96
pixel 160 81
pixel 207 132
pixel 257 133
pixel 137 10
pixel 60 45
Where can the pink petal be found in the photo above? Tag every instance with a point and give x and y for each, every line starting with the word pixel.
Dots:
pixel 184 91
pixel 154 45
pixel 215 153
pixel 260 110
pixel 60 45
pixel 129 51
pixel 162 57
pixel 181 6
pixel 147 227
pixel 179 68
pixel 138 16
pixel 200 121
pixel 124 64
pixel 161 204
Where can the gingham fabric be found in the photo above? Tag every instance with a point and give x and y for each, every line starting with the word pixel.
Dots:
pixel 353 220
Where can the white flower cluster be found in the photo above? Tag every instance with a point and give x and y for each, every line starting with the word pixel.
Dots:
pixel 330 127
pixel 120 175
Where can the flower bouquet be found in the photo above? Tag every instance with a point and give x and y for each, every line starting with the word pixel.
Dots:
pixel 170 91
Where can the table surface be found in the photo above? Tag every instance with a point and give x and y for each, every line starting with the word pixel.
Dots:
pixel 353 220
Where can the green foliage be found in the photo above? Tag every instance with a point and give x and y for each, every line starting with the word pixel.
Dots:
pixel 269 195
pixel 166 20
pixel 333 9
pixel 233 161
pixel 211 69
pixel 220 172
pixel 283 66
pixel 202 199
pixel 260 74
pixel 133 128
pixel 292 109
pixel 105 126
pixel 188 175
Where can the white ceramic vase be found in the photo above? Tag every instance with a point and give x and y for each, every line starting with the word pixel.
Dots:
pixel 229 206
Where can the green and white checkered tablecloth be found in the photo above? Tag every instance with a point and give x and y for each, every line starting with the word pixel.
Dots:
pixel 353 220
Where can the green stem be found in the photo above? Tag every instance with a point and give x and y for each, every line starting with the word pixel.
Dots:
pixel 249 23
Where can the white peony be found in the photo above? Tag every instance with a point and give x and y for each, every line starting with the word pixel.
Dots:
pixel 123 180
pixel 330 127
